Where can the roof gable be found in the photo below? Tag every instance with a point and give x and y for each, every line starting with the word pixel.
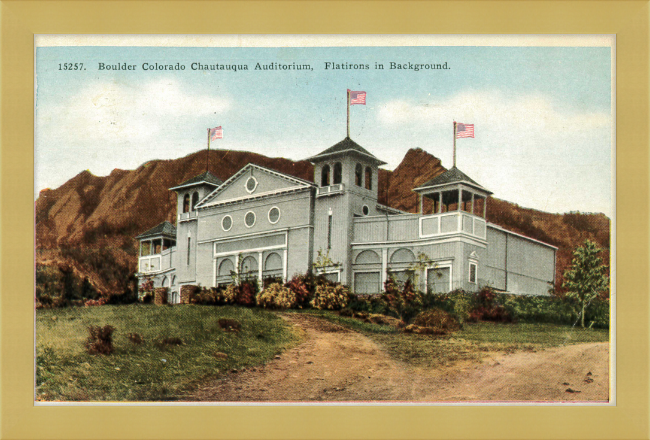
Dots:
pixel 253 181
pixel 203 178
pixel 165 228
pixel 346 146
pixel 452 175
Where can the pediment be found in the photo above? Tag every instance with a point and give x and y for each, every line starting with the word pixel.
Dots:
pixel 253 181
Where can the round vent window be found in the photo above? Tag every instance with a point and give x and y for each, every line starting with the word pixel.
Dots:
pixel 365 210
pixel 251 184
pixel 249 219
pixel 226 223
pixel 274 214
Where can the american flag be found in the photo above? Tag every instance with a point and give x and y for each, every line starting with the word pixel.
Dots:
pixel 464 130
pixel 216 133
pixel 357 97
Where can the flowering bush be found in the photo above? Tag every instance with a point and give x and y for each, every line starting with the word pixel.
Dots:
pixel 403 302
pixel 300 287
pixel 146 288
pixel 227 295
pixel 247 294
pixel 276 296
pixel 330 297
pixel 95 302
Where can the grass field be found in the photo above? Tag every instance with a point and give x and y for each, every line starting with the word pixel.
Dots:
pixel 469 344
pixel 151 370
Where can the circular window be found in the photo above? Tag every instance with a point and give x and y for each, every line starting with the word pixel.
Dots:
pixel 365 210
pixel 249 219
pixel 274 215
pixel 226 223
pixel 251 184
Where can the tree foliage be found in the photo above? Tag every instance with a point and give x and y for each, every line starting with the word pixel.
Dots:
pixel 586 277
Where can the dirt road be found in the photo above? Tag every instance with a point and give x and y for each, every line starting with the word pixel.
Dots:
pixel 337 364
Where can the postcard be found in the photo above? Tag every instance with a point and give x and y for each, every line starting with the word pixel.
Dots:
pixel 310 220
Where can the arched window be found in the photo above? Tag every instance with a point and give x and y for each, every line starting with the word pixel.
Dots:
pixel 186 203
pixel 195 200
pixel 338 173
pixel 358 175
pixel 325 176
pixel 368 178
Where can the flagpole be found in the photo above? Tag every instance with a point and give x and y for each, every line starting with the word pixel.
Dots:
pixel 348 101
pixel 207 159
pixel 454 143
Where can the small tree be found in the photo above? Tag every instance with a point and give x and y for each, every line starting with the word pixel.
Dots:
pixel 586 278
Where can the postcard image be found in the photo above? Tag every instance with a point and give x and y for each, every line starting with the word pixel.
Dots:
pixel 324 220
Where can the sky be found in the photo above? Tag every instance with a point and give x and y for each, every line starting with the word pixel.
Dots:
pixel 542 115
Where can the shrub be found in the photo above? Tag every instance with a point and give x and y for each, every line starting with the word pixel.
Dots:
pixel 330 297
pixel 247 294
pixel 146 288
pixel 300 286
pixel 375 304
pixel 440 321
pixel 229 325
pixel 488 309
pixel 100 340
pixel 160 295
pixel 403 301
pixel 228 295
pixel 276 296
pixel 136 338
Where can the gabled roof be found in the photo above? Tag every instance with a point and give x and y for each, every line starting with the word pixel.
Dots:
pixel 210 197
pixel 452 175
pixel 346 146
pixel 204 178
pixel 165 228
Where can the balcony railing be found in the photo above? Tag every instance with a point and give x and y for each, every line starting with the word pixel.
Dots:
pixel 185 216
pixel 331 190
pixel 413 227
pixel 453 222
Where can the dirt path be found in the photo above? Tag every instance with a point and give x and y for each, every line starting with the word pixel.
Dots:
pixel 337 364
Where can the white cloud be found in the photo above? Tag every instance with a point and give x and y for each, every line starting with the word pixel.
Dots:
pixel 494 110
pixel 118 112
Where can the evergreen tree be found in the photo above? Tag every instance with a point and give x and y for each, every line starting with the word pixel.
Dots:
pixel 586 278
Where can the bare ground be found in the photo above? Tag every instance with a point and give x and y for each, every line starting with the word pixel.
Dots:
pixel 337 364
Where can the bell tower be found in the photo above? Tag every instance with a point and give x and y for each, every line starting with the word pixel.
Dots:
pixel 347 176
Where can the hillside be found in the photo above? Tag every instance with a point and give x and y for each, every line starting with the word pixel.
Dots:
pixel 89 222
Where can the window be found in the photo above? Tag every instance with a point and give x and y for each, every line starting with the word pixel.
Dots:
pixel 365 210
pixel 249 219
pixel 226 223
pixel 274 215
pixel 358 174
pixel 195 200
pixel 368 178
pixel 367 283
pixel 329 232
pixel 189 246
pixel 325 176
pixel 186 203
pixel 338 173
pixel 251 184
pixel 472 273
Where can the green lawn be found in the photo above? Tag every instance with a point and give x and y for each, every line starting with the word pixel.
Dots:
pixel 148 371
pixel 469 344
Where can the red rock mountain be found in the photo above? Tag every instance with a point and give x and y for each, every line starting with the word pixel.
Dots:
pixel 90 222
